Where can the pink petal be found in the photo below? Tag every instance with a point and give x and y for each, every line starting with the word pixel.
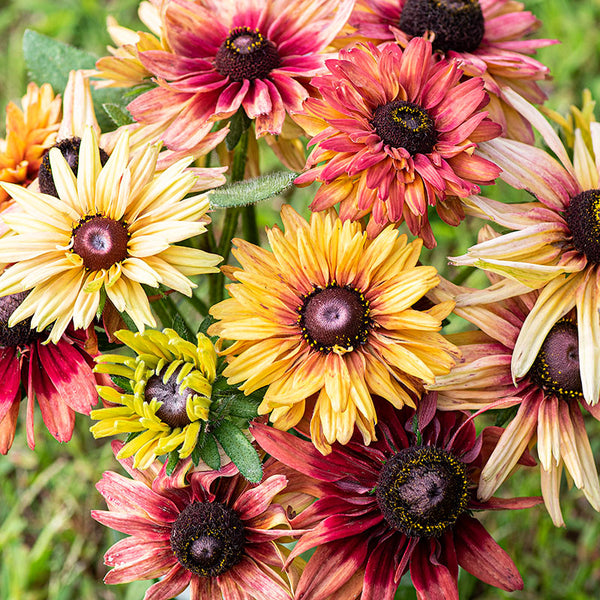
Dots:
pixel 132 525
pixel 256 582
pixel 255 501
pixel 134 558
pixel 172 585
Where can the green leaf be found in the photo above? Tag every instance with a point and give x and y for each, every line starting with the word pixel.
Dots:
pixel 119 115
pixel 122 382
pixel 128 321
pixel 206 323
pixel 237 446
pixel 101 303
pixel 172 462
pixel 50 61
pixel 210 453
pixel 237 126
pixel 504 415
pixel 243 406
pixel 183 331
pixel 131 436
pixel 250 191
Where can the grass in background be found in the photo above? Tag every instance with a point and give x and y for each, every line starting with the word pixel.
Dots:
pixel 51 549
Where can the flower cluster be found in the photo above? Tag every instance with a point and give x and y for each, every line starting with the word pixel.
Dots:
pixel 316 401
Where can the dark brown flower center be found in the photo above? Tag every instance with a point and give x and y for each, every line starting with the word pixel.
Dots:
pixel 173 409
pixel 458 24
pixel 101 242
pixel 422 491
pixel 246 54
pixel 583 218
pixel 556 367
pixel 406 125
pixel 208 538
pixel 69 148
pixel 335 318
pixel 21 334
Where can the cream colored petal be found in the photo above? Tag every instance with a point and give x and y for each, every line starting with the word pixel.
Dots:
pixel 109 178
pixel 591 485
pixel 140 271
pixel 550 484
pixel 554 301
pixel 191 261
pixel 585 167
pixel 588 328
pixel 64 180
pixel 548 436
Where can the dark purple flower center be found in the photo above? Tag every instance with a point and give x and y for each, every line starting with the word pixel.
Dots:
pixel 101 242
pixel 69 148
pixel 208 538
pixel 556 367
pixel 246 54
pixel 21 334
pixel 405 125
pixel 335 318
pixel 583 218
pixel 422 491
pixel 173 410
pixel 458 24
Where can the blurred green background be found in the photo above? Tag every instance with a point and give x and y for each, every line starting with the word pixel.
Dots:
pixel 50 548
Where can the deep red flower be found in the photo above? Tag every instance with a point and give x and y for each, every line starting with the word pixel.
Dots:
pixel 59 376
pixel 401 503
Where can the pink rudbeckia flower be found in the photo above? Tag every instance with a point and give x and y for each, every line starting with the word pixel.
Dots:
pixel 258 55
pixel 492 38
pixel 394 133
pixel 58 375
pixel 211 531
pixel 404 502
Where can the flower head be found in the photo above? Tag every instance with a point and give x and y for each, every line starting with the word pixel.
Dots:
pixel 394 133
pixel 57 375
pixel 227 55
pixel 554 243
pixel 548 397
pixel 111 229
pixel 403 502
pixel 491 38
pixel 212 532
pixel 29 133
pixel 329 314
pixel 169 394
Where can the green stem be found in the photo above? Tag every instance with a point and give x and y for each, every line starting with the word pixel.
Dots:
pixel 463 275
pixel 173 309
pixel 162 312
pixel 249 225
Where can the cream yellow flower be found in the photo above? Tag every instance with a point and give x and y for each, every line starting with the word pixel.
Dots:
pixel 112 229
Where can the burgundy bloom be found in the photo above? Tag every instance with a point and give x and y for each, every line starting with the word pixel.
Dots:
pixel 59 375
pixel 224 55
pixel 210 530
pixel 401 503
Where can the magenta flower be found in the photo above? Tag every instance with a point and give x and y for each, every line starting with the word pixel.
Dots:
pixel 58 375
pixel 401 503
pixel 224 55
pixel 210 530
pixel 492 38
pixel 395 133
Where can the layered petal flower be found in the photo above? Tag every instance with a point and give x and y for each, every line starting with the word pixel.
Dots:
pixel 210 531
pixel 327 316
pixel 404 502
pixel 394 133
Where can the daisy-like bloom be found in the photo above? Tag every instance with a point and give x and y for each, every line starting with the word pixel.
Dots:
pixel 110 230
pixel 394 133
pixel 227 55
pixel 491 38
pixel 549 397
pixel 29 133
pixel 330 313
pixel 554 244
pixel 57 375
pixel 213 532
pixel 170 381
pixel 403 502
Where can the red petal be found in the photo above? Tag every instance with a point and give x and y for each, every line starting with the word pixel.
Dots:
pixel 70 373
pixel 254 501
pixel 431 581
pixel 257 583
pixel 379 576
pixel 479 554
pixel 172 585
pixel 128 523
pixel 136 559
pixel 10 376
pixel 7 428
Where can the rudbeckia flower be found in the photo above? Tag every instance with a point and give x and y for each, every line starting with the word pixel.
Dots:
pixel 29 133
pixel 58 376
pixel 110 230
pixel 170 380
pixel 328 316
pixel 395 133
pixel 549 396
pixel 491 38
pixel 405 502
pixel 554 245
pixel 210 531
pixel 227 55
